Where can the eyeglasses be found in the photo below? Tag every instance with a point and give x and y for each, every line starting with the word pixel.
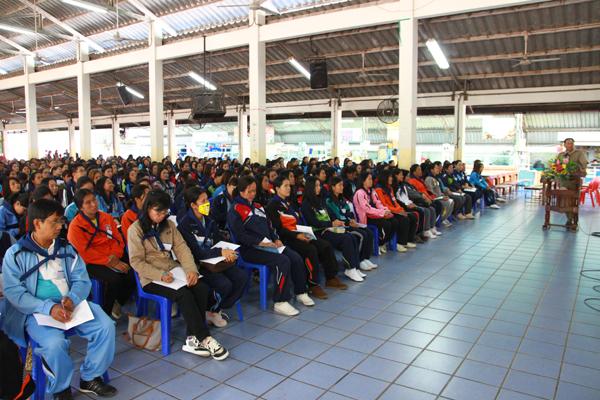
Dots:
pixel 161 212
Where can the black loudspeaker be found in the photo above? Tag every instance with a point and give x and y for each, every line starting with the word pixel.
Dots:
pixel 318 74
pixel 124 95
pixel 208 105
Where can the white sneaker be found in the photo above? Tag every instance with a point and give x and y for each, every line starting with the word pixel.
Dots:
pixel 447 223
pixel 436 232
pixel 429 234
pixel 216 350
pixel 173 310
pixel 116 310
pixel 354 275
pixel 495 206
pixel 383 249
pixel 193 345
pixel 364 266
pixel 361 273
pixel 501 200
pixel 410 245
pixel 470 216
pixel 305 299
pixel 216 318
pixel 461 216
pixel 401 249
pixel 285 308
pixel 371 264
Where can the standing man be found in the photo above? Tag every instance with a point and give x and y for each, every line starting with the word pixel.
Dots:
pixel 579 158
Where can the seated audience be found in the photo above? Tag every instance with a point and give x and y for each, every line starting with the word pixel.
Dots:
pixel 137 195
pixel 412 199
pixel 12 212
pixel 430 171
pixel 108 201
pixel 453 189
pixel 478 181
pixel 82 183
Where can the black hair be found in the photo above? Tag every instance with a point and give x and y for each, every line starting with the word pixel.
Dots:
pixel 233 181
pixel 190 195
pixel 310 194
pixel 137 191
pixel 43 209
pixel 82 181
pixel 22 198
pixel 569 138
pixel 47 180
pixel 100 188
pixel 80 195
pixel 160 200
pixel 278 182
pixel 40 192
pixel 413 168
pixel 243 184
pixel 362 178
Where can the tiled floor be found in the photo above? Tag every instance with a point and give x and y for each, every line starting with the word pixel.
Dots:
pixel 492 310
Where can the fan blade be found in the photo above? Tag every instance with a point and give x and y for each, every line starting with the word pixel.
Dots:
pixel 233 5
pixel 544 59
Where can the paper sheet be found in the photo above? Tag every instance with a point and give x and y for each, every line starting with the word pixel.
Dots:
pixel 226 245
pixel 179 279
pixel 214 260
pixel 307 230
pixel 361 225
pixel 470 190
pixel 82 313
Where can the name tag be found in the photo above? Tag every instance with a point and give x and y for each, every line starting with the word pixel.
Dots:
pixel 167 246
pixel 199 239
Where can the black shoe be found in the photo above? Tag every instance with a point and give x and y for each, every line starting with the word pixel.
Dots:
pixel 418 239
pixel 97 387
pixel 64 395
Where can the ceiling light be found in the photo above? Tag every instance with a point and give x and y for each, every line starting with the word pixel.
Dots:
pixel 299 68
pixel 86 5
pixel 16 29
pixel 134 92
pixel 3 71
pixel 437 54
pixel 201 80
pixel 291 123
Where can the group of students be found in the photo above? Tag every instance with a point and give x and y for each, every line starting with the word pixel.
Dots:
pixel 109 220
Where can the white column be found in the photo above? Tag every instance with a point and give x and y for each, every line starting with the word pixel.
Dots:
pixel 30 109
pixel 171 136
pixel 71 129
pixel 116 137
pixel 84 104
pixel 407 101
pixel 336 129
pixel 258 90
pixel 155 86
pixel 242 135
pixel 460 123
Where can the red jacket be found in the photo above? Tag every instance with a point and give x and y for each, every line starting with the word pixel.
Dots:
pixel 95 244
pixel 420 186
pixel 127 219
pixel 389 202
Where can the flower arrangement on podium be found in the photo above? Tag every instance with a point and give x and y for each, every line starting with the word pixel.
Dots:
pixel 560 169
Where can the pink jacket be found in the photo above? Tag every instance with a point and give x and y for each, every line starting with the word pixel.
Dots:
pixel 364 209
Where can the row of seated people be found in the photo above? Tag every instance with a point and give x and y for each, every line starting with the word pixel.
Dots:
pixel 42 273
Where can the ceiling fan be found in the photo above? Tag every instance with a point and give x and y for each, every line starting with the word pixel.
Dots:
pixel 525 60
pixel 366 74
pixel 116 36
pixel 102 102
pixel 264 5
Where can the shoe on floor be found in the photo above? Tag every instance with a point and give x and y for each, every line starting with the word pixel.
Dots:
pixel 436 232
pixel 353 274
pixel 371 264
pixel 429 234
pixel 419 240
pixel 361 273
pixel 495 206
pixel 97 387
pixel 470 216
pixel 365 266
pixel 216 318
pixel 410 245
pixel 285 308
pixel 173 310
pixel 305 299
pixel 460 216
pixel 116 310
pixel 401 249
pixel 318 292
pixel 447 223
pixel 193 345
pixel 501 200
pixel 64 395
pixel 216 350
pixel 383 249
pixel 336 283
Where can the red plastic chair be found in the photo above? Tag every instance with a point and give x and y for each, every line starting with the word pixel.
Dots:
pixel 592 190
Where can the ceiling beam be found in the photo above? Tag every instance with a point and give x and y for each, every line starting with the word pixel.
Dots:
pixel 515 74
pixel 149 14
pixel 15 45
pixel 63 25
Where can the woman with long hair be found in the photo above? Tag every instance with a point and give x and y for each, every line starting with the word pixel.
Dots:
pixel 315 213
pixel 108 201
pixel 163 182
pixel 260 244
pixel 152 241
pixel 413 200
pixel 136 201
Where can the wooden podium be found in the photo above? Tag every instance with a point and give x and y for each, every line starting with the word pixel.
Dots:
pixel 562 198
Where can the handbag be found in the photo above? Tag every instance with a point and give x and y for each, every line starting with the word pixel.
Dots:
pixel 144 333
pixel 218 267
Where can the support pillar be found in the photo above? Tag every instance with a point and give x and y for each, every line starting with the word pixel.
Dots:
pixel 257 89
pixel 407 89
pixel 460 124
pixel 116 137
pixel 242 135
pixel 156 87
pixel 30 109
pixel 71 130
pixel 171 136
pixel 336 129
pixel 84 103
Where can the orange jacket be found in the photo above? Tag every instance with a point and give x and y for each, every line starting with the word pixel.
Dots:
pixel 388 202
pixel 127 219
pixel 420 186
pixel 96 249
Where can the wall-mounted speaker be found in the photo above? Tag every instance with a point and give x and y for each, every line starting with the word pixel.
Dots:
pixel 318 74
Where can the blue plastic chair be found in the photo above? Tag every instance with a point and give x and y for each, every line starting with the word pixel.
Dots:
pixel 97 291
pixel 163 313
pixel 37 369
pixel 392 244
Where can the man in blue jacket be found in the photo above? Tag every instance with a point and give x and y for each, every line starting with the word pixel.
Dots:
pixel 43 274
pixel 11 211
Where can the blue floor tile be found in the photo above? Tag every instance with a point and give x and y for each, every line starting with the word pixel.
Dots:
pixel 224 392
pixel 221 370
pixel 327 335
pixel 463 389
pixel 437 362
pixel 341 357
pixel 423 379
pixel 251 353
pixel 380 368
pixel 359 387
pixel 157 372
pixel 397 352
pixel 321 375
pixel 360 343
pixel 283 363
pixel 397 392
pixel 481 372
pixel 306 348
pixel 255 381
pixel 530 384
pixel 188 386
pixel 293 390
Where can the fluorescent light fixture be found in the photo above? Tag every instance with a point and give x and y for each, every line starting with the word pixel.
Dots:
pixel 86 5
pixel 16 29
pixel 134 92
pixel 201 80
pixel 437 53
pixel 3 71
pixel 291 123
pixel 299 67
